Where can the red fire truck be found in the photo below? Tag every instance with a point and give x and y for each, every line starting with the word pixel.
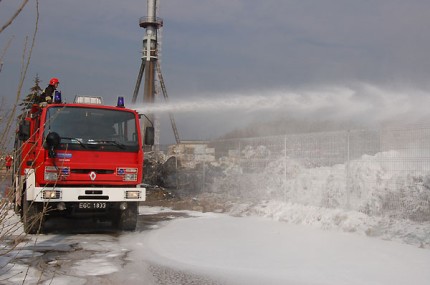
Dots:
pixel 79 159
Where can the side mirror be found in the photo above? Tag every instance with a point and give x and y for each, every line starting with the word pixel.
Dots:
pixel 53 141
pixel 24 131
pixel 149 135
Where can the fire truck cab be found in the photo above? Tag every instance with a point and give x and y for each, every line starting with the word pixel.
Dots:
pixel 80 159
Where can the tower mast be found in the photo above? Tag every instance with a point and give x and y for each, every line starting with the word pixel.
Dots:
pixel 151 24
pixel 149 62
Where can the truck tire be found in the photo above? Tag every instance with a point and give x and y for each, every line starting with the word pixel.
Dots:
pixel 127 219
pixel 32 217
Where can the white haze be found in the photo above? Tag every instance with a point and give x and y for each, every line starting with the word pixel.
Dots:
pixel 361 103
pixel 208 116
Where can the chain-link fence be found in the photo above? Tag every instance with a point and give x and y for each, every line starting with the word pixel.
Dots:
pixel 383 173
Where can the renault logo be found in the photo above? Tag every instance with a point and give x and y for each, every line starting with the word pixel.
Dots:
pixel 93 175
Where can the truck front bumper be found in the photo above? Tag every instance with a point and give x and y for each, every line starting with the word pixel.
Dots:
pixel 81 194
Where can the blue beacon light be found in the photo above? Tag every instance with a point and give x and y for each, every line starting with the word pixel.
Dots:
pixel 57 97
pixel 120 102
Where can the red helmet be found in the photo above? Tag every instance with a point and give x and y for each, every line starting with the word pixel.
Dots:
pixel 53 81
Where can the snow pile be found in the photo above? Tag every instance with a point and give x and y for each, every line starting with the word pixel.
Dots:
pixel 368 195
pixel 401 230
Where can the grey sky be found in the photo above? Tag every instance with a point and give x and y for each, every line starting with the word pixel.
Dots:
pixel 219 49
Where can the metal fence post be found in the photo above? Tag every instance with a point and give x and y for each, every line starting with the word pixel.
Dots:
pixel 239 163
pixel 285 168
pixel 176 173
pixel 204 176
pixel 348 174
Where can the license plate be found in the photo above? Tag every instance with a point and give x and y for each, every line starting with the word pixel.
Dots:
pixel 92 205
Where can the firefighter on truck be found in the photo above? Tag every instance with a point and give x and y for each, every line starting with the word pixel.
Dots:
pixel 80 159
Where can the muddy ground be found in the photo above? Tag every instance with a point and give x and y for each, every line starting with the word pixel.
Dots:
pixel 180 200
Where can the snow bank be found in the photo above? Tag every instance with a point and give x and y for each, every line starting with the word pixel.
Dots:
pixel 368 195
pixel 400 230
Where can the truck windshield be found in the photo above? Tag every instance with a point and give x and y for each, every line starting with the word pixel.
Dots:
pixel 93 128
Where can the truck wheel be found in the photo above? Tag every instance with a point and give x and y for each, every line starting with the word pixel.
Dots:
pixel 32 217
pixel 127 219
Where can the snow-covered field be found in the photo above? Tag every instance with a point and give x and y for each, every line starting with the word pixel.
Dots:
pixel 210 248
pixel 255 250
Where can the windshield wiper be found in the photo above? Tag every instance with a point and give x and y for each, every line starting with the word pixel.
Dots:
pixel 75 139
pixel 120 145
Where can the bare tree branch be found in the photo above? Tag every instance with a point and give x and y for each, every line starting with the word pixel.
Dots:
pixel 21 82
pixel 10 228
pixel 14 16
pixel 4 52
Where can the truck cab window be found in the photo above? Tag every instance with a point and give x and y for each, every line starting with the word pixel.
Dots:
pixel 107 130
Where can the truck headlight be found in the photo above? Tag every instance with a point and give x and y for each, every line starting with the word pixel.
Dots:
pixel 127 173
pixel 51 176
pixel 53 173
pixel 130 177
pixel 132 194
pixel 51 194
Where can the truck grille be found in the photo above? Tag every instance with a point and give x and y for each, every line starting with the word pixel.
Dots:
pixel 93 197
pixel 90 192
pixel 87 171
